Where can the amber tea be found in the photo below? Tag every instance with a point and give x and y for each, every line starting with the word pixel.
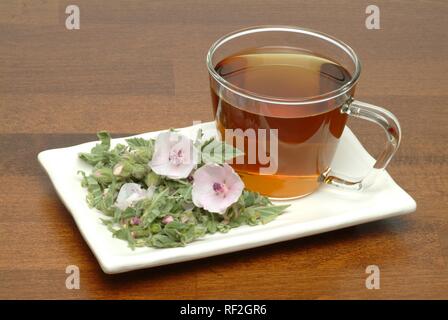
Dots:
pixel 307 137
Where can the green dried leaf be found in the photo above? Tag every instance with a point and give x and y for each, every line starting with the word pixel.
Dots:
pixel 152 211
pixel 264 214
pixel 164 241
pixel 135 143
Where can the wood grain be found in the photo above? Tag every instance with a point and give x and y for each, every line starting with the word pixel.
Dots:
pixel 137 66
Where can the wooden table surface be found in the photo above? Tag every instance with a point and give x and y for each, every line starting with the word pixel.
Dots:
pixel 138 66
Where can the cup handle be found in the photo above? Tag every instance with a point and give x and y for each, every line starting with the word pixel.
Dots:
pixel 386 120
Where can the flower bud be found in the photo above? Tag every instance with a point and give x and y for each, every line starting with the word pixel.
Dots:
pixel 138 171
pixel 123 169
pixel 155 228
pixel 103 175
pixel 141 155
pixel 167 219
pixel 152 179
pixel 135 220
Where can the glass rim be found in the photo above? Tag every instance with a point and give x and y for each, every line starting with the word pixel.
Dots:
pixel 264 28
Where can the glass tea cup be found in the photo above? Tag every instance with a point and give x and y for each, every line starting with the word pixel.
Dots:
pixel 282 95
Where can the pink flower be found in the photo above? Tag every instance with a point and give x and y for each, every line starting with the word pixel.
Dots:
pixel 174 156
pixel 167 219
pixel 131 193
pixel 135 221
pixel 215 187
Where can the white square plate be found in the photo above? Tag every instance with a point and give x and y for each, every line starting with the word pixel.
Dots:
pixel 327 209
